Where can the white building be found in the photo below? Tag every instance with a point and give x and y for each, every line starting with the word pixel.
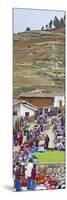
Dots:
pixel 22 109
pixel 58 101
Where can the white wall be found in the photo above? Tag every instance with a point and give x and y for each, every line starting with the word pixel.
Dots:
pixel 57 101
pixel 17 108
pixel 21 109
pixel 24 109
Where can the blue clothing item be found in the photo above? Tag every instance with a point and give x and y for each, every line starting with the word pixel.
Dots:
pixel 42 129
pixel 18 185
pixel 35 148
pixel 38 149
pixel 31 155
pixel 33 185
pixel 29 183
pixel 28 135
pixel 15 137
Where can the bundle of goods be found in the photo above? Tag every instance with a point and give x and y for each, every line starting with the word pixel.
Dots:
pixel 24 182
pixel 40 179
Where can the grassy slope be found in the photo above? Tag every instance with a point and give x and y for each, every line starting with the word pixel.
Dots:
pixel 50 156
pixel 39 61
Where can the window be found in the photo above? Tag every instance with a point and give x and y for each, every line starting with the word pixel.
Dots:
pixel 14 112
pixel 26 114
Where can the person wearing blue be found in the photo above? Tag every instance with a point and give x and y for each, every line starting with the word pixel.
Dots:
pixel 28 174
pixel 18 183
pixel 15 138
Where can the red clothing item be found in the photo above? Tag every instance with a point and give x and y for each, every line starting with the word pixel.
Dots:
pixel 33 173
pixel 20 139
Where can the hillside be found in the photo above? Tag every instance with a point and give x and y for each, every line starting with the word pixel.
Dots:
pixel 38 62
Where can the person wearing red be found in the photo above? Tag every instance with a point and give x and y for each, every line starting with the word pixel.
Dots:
pixel 20 139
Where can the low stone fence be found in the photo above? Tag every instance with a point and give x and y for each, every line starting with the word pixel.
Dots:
pixel 57 169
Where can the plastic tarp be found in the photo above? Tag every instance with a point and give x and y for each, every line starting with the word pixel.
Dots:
pixel 38 149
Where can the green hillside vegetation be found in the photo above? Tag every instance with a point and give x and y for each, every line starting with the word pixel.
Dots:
pixel 38 61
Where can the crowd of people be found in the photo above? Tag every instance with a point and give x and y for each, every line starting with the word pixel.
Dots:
pixel 27 140
pixel 59 130
pixel 26 178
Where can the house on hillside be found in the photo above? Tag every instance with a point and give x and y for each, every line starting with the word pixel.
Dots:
pixel 23 109
pixel 42 101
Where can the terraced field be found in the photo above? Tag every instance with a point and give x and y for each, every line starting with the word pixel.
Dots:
pixel 39 62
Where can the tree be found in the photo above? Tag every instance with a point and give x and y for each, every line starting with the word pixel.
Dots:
pixel 42 28
pixel 50 24
pixel 56 22
pixel 61 22
pixel 46 26
pixel 27 29
pixel 64 19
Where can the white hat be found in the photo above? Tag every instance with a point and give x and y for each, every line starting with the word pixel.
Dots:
pixel 22 163
pixel 20 158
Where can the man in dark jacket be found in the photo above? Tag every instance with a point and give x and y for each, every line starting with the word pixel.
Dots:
pixel 47 139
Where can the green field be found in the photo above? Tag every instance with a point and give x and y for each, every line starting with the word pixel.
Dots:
pixel 51 156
